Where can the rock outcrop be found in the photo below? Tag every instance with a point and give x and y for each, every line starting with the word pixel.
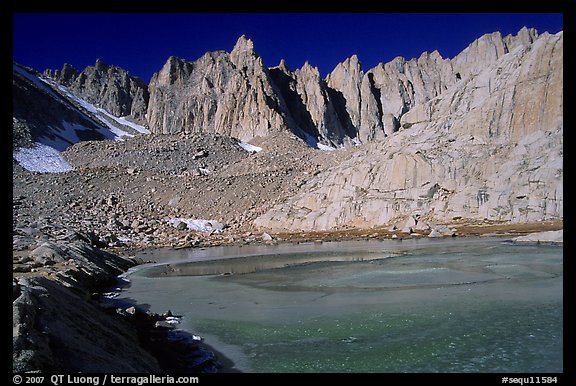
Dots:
pixel 549 237
pixel 485 144
pixel 315 108
pixel 223 93
pixel 109 87
pixel 57 327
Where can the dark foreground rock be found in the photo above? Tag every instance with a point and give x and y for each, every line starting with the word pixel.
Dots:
pixel 58 329
pixel 62 324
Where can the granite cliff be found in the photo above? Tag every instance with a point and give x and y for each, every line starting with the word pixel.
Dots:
pixel 486 144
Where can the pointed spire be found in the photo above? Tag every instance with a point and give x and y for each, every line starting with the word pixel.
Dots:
pixel 282 66
pixel 243 44
pixel 243 52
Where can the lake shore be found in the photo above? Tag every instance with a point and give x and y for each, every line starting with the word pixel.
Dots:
pixel 72 270
pixel 458 228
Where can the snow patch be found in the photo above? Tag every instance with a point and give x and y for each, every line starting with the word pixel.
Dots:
pixel 135 126
pixel 199 225
pixel 249 148
pixel 324 147
pixel 41 158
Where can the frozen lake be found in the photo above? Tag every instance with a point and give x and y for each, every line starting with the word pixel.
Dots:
pixel 420 305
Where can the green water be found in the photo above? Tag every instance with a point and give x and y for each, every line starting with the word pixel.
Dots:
pixel 477 305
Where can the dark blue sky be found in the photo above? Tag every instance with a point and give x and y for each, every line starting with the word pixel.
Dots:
pixel 142 42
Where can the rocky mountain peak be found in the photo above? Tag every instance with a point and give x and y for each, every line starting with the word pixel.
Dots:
pixel 243 53
pixel 100 65
pixel 106 86
pixel 351 67
pixel 226 93
pixel 64 76
pixel 243 44
pixel 353 62
pixel 524 37
pixel 308 70
pixel 434 55
pixel 282 66
pixel 173 70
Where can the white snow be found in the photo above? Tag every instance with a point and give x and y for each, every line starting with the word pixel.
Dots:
pixel 249 148
pixel 324 147
pixel 172 320
pixel 195 224
pixel 135 126
pixel 41 158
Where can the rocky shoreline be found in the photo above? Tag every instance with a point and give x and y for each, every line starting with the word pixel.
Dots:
pixel 62 323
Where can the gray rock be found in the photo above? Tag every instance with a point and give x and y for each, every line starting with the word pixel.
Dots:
pixel 180 225
pixel 51 340
pixel 163 324
pixel 204 95
pixel 47 252
pixel 549 237
pixel 216 227
pixel 409 225
pixel 441 230
pixel 422 226
pixel 435 233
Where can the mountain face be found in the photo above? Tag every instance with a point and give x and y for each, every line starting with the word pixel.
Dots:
pixel 109 87
pixel 478 136
pixel 484 145
pixel 229 94
pixel 234 94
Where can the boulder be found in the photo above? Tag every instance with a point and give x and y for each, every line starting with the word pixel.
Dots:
pixel 409 225
pixel 549 237
pixel 48 253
